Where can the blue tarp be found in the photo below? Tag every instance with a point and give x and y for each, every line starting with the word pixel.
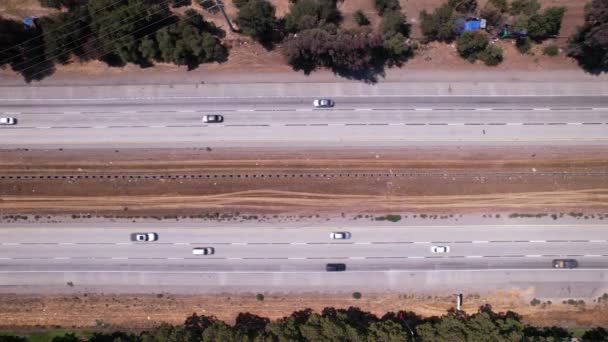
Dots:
pixel 472 25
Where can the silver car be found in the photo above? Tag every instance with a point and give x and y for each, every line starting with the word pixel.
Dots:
pixel 213 118
pixel 323 103
pixel 203 251
pixel 440 249
pixel 340 235
pixel 144 237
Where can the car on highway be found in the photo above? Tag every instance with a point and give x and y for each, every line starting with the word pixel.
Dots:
pixel 144 237
pixel 323 103
pixel 335 267
pixel 203 251
pixel 8 121
pixel 565 263
pixel 213 118
pixel 339 235
pixel 440 249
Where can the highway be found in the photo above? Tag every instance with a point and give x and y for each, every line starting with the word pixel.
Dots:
pixel 105 256
pixel 355 121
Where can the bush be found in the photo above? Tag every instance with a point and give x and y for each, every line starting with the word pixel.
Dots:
pixel 393 22
pixel 523 44
pixel 534 302
pixel 383 6
pixel 463 6
pixel 527 7
pixel 493 15
pixel 305 13
pixel 360 18
pixel 437 25
pixel 551 50
pixel 259 297
pixel 470 44
pixel 256 18
pixel 491 55
pixel 502 5
pixel 357 295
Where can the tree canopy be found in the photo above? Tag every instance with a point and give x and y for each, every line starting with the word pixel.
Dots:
pixel 589 45
pixel 257 19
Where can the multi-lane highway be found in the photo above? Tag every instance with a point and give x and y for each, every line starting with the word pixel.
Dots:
pixel 255 116
pixel 106 256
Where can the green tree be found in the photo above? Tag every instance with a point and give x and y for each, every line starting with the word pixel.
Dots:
pixel 527 7
pixel 595 334
pixel 257 19
pixel 307 14
pixel 119 25
pixel 523 44
pixel 393 22
pixel 360 18
pixel 220 331
pixel 470 44
pixel 167 333
pixel 383 6
pixel 589 45
pixel 387 331
pixel 463 6
pixel 438 25
pixel 491 55
pixel 69 337
pixel 65 34
pixel 396 46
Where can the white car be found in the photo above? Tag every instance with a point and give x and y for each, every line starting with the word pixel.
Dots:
pixel 203 251
pixel 323 103
pixel 340 235
pixel 8 121
pixel 213 118
pixel 440 249
pixel 144 237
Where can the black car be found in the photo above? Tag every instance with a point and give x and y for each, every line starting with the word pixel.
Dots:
pixel 335 267
pixel 565 263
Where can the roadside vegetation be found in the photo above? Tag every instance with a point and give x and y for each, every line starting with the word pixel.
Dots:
pixel 333 324
pixel 310 36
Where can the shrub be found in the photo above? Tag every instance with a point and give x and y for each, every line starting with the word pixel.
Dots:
pixel 357 295
pixel 256 18
pixel 527 7
pixel 551 50
pixel 523 44
pixel 383 6
pixel 259 297
pixel 437 25
pixel 470 44
pixel 491 55
pixel 393 22
pixel 534 302
pixel 502 5
pixel 463 6
pixel 305 12
pixel 360 18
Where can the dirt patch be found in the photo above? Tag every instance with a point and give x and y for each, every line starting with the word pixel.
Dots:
pixel 16 9
pixel 143 311
pixel 329 182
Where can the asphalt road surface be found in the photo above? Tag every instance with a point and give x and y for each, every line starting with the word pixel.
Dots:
pixel 278 257
pixel 260 121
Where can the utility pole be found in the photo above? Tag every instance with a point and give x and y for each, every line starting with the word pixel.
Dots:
pixel 219 4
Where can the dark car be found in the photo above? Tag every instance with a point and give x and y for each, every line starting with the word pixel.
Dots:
pixel 565 263
pixel 335 267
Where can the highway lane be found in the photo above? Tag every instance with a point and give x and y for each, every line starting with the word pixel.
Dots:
pixel 287 258
pixel 358 120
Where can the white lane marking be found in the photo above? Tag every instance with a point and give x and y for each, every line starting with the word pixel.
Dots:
pixel 61 258
pixel 598 240
pixel 186 111
pixel 10 243
pixel 514 124
pixel 422 242
pixel 66 243
pixel 473 256
pixel 363 243
pixel 119 258
pixel 181 243
pixel 533 256
pixel 124 243
pixel 479 241
pixel 71 112
pixel 538 241
pixel 11 113
pixel 415 257
pixel 173 258
pixel 357 258
pixel 43 127
pixel 128 112
pixel 157 126
pixel 296 258
pixel 455 124
pixel 592 255
pixel 298 243
pixel 100 127
pixel 239 243
pixel 234 258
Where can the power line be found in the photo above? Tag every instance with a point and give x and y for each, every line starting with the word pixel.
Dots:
pixel 95 39
pixel 43 34
pixel 107 53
